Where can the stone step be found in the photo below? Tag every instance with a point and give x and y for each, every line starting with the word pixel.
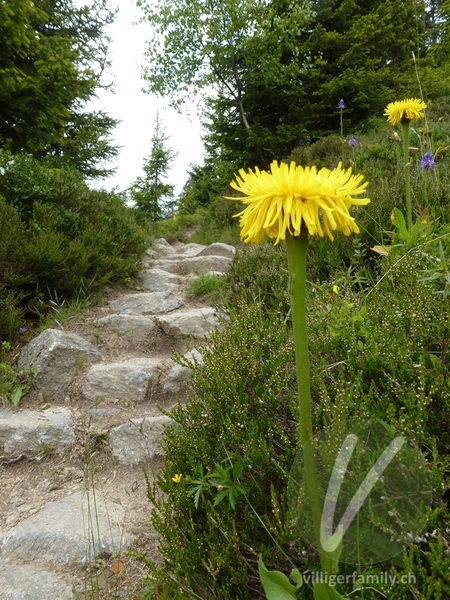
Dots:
pixel 66 532
pixel 126 380
pixel 30 433
pixel 146 303
pixel 195 323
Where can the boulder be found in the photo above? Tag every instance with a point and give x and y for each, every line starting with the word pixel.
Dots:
pixel 126 380
pixel 22 582
pixel 146 303
pixel 66 531
pixel 134 329
pixel 218 249
pixel 196 323
pixel 204 264
pixel 34 432
pixel 189 250
pixel 139 440
pixel 179 375
pixel 57 356
pixel 157 280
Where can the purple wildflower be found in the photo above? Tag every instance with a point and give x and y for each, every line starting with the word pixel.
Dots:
pixel 427 161
pixel 341 104
pixel 23 329
pixel 352 143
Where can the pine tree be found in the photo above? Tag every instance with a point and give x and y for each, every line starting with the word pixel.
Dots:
pixel 151 193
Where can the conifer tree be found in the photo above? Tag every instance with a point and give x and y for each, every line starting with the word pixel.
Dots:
pixel 151 193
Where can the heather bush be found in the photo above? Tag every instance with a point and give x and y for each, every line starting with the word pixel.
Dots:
pixel 58 237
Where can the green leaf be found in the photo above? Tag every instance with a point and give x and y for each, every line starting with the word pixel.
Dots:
pixel 17 394
pixel 323 591
pixel 401 224
pixel 276 585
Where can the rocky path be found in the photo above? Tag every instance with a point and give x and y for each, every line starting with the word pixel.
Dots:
pixel 73 492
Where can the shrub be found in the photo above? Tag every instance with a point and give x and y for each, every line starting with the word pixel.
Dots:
pixel 59 248
pixel 238 410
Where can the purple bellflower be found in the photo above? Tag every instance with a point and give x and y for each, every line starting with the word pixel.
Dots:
pixel 427 162
pixel 352 143
pixel 341 104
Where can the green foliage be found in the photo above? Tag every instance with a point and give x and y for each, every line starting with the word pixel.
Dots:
pixel 209 285
pixel 237 427
pixel 150 194
pixel 58 237
pixel 52 56
pixel 14 382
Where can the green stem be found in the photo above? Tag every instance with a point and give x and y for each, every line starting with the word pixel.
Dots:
pixel 405 125
pixel 296 251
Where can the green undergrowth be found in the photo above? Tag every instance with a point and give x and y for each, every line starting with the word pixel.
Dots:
pixel 377 352
pixel 61 241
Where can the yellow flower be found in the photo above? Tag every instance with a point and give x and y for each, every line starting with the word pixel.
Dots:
pixel 404 110
pixel 281 200
pixel 177 478
pixel 335 289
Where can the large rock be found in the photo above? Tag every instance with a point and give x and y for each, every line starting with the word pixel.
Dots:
pixel 162 246
pixel 218 249
pixel 18 582
pixel 57 356
pixel 196 323
pixel 146 303
pixel 65 531
pixel 189 250
pixel 33 432
pixel 134 329
pixel 139 440
pixel 127 380
pixel 157 280
pixel 204 264
pixel 168 265
pixel 179 375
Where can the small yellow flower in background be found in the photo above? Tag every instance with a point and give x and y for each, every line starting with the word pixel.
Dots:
pixel 404 110
pixel 424 222
pixel 279 201
pixel 393 218
pixel 335 289
pixel 177 478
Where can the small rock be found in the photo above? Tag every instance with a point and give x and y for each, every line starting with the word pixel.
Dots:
pixel 18 582
pixel 57 356
pixel 65 531
pixel 196 323
pixel 33 432
pixel 146 303
pixel 204 264
pixel 157 280
pixel 127 380
pixel 219 249
pixel 179 375
pixel 139 440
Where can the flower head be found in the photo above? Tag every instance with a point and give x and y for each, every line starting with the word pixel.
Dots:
pixel 177 478
pixel 427 161
pixel 280 201
pixel 335 289
pixel 404 111
pixel 341 104
pixel 352 143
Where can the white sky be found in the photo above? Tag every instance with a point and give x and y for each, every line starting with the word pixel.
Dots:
pixel 137 111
